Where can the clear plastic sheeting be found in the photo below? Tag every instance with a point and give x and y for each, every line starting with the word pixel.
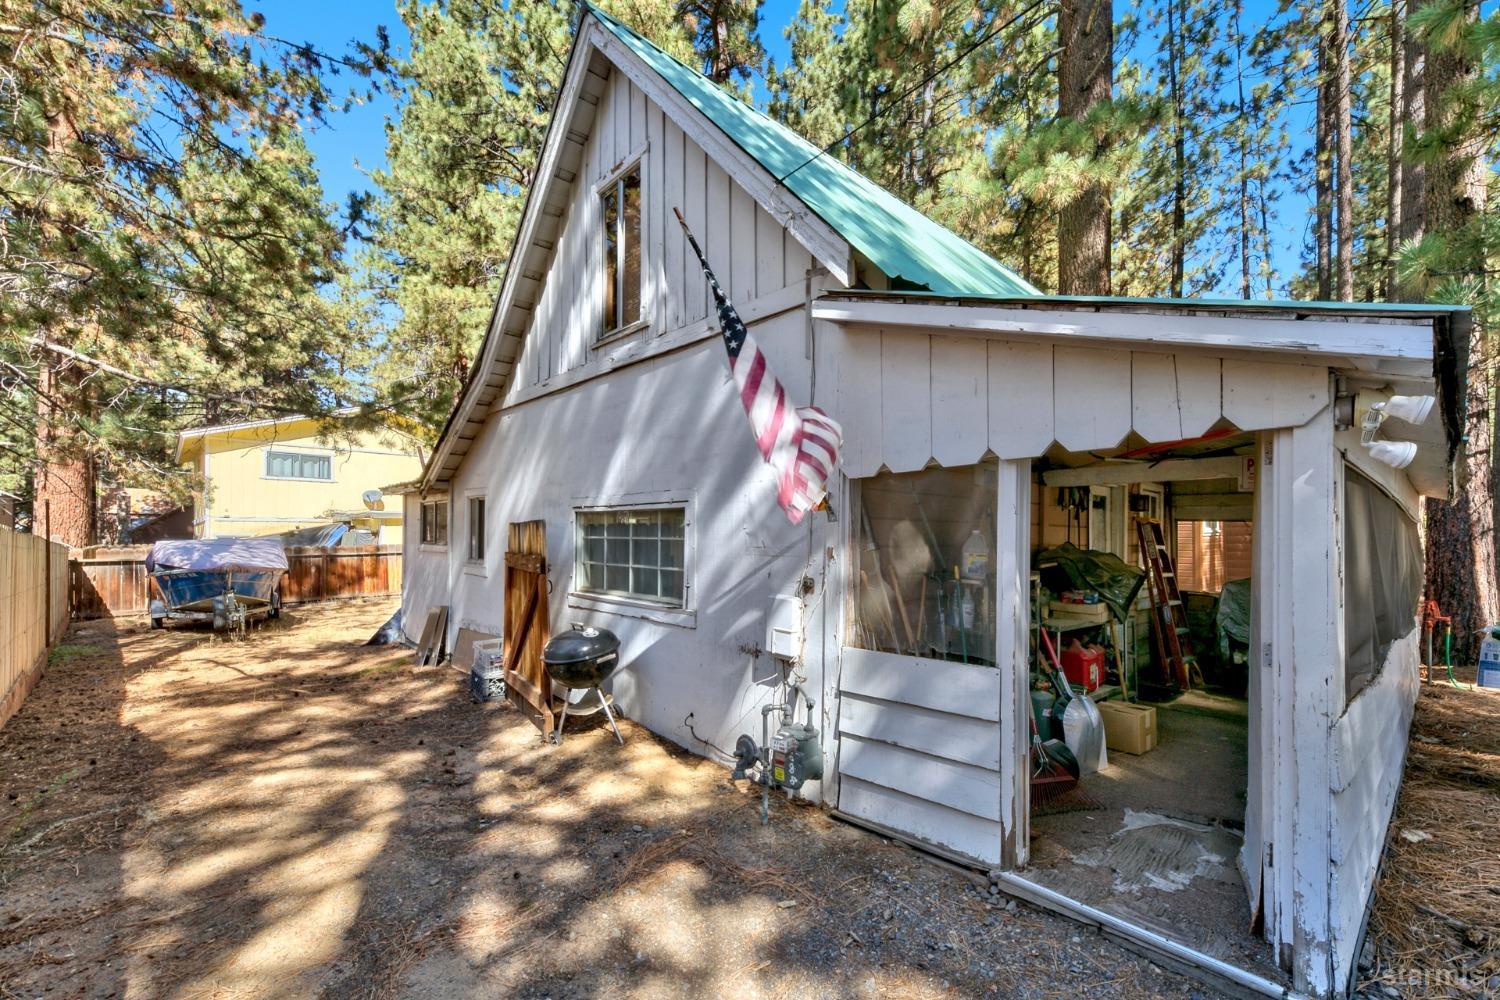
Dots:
pixel 924 580
pixel 1382 578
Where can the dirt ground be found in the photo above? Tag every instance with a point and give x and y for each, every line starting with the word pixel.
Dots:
pixel 1435 925
pixel 300 815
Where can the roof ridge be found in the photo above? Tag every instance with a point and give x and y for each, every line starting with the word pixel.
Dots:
pixel 903 242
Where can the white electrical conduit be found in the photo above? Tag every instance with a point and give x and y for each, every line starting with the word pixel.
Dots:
pixel 1163 946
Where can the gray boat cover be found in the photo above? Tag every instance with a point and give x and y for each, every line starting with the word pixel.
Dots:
pixel 1232 616
pixel 217 553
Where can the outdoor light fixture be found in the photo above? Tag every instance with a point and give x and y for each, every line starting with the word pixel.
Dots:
pixel 1412 409
pixel 1373 408
pixel 1396 454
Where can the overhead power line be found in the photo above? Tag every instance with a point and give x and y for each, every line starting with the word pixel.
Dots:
pixel 978 42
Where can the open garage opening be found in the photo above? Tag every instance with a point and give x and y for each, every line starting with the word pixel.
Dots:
pixel 1141 583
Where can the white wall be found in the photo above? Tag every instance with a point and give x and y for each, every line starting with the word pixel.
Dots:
pixel 915 396
pixel 424 571
pixel 1369 752
pixel 1369 742
pixel 670 426
pixel 665 424
pixel 751 254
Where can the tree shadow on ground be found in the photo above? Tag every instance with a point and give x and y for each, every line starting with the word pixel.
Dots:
pixel 303 815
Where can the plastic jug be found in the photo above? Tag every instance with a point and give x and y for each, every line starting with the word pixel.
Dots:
pixel 1489 659
pixel 976 557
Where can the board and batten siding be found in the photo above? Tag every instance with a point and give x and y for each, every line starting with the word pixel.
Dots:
pixel 919 749
pixel 751 254
pixel 906 398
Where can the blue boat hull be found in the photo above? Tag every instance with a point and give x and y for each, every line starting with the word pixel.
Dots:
pixel 195 589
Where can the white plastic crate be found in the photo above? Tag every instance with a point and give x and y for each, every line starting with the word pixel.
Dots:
pixel 487 676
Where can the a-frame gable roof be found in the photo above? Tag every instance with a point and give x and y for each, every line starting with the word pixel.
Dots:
pixel 905 245
pixel 832 210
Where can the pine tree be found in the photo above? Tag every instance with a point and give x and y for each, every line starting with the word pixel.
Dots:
pixel 1454 262
pixel 1085 79
pixel 163 244
pixel 474 96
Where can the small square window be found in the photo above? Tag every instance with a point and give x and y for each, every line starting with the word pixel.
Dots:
pixel 476 529
pixel 633 553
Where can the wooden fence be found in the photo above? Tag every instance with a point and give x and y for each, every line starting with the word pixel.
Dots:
pixel 33 612
pixel 113 582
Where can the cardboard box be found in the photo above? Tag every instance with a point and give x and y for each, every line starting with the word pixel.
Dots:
pixel 1079 612
pixel 1128 728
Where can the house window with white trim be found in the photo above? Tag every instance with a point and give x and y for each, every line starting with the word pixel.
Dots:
pixel 298 465
pixel 435 521
pixel 620 205
pixel 477 519
pixel 635 553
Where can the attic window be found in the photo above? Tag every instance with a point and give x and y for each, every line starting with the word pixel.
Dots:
pixel 620 203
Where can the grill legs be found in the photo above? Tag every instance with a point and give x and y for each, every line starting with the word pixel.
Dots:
pixel 603 703
pixel 610 716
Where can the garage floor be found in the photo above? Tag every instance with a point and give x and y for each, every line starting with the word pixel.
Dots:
pixel 1158 843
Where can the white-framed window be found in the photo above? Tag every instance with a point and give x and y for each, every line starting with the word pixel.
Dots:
pixel 634 553
pixel 298 465
pixel 477 525
pixel 435 521
pixel 620 210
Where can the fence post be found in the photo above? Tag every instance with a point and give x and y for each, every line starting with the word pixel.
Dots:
pixel 47 568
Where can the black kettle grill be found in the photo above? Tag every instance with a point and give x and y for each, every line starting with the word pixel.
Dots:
pixel 583 658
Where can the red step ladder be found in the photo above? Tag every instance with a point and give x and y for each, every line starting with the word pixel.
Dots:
pixel 1169 630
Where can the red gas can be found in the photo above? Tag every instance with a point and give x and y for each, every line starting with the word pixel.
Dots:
pixel 1083 665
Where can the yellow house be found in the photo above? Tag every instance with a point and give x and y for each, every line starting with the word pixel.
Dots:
pixel 263 477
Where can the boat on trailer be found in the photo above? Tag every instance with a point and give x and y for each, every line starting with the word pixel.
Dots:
pixel 228 582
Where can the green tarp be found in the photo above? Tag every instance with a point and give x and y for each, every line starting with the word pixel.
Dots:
pixel 1112 578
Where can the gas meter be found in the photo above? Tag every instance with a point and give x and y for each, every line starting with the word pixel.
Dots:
pixel 789 759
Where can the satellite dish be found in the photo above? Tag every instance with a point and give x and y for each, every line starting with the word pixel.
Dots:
pixel 374 499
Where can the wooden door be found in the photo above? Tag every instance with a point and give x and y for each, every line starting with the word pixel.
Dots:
pixel 526 629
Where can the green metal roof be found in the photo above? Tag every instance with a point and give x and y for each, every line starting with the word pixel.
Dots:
pixel 902 242
pixel 1414 309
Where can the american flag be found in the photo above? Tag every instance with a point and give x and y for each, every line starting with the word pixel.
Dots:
pixel 800 443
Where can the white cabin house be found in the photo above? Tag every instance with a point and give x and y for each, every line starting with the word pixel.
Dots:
pixel 981 418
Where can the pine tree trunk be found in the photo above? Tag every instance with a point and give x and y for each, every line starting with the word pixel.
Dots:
pixel 1085 75
pixel 1179 155
pixel 1323 173
pixel 1395 144
pixel 1413 174
pixel 64 484
pixel 1344 132
pixel 1461 557
pixel 1239 69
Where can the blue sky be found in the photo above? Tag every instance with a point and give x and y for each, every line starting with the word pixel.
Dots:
pixel 351 143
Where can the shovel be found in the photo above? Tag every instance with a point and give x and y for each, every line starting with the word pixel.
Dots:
pixel 1083 727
